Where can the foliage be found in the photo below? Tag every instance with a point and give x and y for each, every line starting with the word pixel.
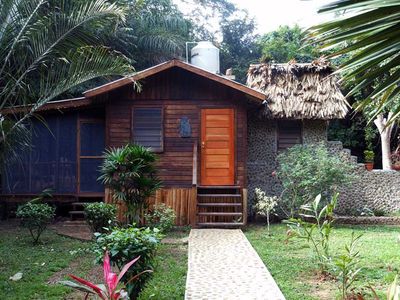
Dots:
pixel 130 173
pixel 47 48
pixel 368 32
pixel 306 171
pixel 35 217
pixel 125 243
pixel 395 158
pixel 370 136
pixel 369 156
pixel 100 215
pixel 161 216
pixel 265 205
pixel 109 290
pixel 286 43
pixel 346 266
pixel 315 226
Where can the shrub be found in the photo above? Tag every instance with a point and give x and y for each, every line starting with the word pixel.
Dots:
pixel 265 205
pixel 369 155
pixel 125 243
pixel 161 217
pixel 35 217
pixel 307 171
pixel 100 215
pixel 130 174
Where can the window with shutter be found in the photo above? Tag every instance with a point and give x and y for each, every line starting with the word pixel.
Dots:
pixel 147 127
pixel 289 134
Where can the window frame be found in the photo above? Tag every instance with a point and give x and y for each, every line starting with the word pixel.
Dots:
pixel 278 129
pixel 161 107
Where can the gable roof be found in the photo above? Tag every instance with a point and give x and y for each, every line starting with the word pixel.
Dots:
pixel 168 65
pixel 299 91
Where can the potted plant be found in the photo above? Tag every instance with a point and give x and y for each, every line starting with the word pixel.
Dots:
pixel 369 156
pixel 395 157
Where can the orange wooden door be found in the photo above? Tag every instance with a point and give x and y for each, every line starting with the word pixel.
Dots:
pixel 217 146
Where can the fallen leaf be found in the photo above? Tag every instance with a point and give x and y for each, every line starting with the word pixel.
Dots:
pixel 16 276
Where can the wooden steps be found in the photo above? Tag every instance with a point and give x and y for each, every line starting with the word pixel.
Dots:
pixel 77 212
pixel 219 206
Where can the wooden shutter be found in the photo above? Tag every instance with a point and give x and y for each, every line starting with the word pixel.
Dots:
pixel 147 127
pixel 289 134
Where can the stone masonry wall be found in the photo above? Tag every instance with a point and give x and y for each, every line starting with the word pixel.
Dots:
pixel 376 190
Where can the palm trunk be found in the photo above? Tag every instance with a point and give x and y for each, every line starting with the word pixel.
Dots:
pixel 385 132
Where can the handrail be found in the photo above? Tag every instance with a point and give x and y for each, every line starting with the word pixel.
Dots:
pixel 194 175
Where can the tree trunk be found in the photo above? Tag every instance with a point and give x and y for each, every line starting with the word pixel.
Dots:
pixel 385 132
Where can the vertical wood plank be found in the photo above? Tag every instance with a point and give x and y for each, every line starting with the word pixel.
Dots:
pixel 244 199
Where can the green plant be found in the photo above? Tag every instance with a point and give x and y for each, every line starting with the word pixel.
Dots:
pixel 109 290
pixel 35 217
pixel 125 243
pixel 265 205
pixel 100 215
pixel 130 173
pixel 369 156
pixel 346 266
pixel 315 226
pixel 307 171
pixel 161 216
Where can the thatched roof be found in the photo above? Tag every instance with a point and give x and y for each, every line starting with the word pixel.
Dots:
pixel 299 91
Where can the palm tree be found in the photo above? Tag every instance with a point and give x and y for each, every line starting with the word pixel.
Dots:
pixel 48 47
pixel 369 32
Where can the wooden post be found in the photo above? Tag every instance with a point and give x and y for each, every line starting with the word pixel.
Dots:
pixel 244 200
pixel 193 206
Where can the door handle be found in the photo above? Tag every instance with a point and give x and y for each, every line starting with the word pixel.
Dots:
pixel 203 144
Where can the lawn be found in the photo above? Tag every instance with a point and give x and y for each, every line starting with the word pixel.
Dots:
pixel 292 264
pixel 45 264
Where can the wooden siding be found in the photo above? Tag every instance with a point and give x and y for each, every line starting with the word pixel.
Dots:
pixel 180 94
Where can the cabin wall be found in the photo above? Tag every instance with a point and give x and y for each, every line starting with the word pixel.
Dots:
pixel 262 151
pixel 180 94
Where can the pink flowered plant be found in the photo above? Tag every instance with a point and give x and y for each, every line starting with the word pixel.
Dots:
pixel 109 290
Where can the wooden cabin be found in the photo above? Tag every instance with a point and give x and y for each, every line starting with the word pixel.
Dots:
pixel 215 138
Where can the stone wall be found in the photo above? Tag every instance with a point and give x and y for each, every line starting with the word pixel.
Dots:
pixel 376 190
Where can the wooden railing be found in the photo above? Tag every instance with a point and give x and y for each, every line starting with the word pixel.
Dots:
pixel 194 174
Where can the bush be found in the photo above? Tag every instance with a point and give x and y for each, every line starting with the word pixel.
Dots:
pixel 130 173
pixel 100 215
pixel 307 171
pixel 123 244
pixel 161 217
pixel 35 217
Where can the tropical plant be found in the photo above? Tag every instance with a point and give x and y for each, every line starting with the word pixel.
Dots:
pixel 109 290
pixel 47 48
pixel 35 217
pixel 367 30
pixel 306 171
pixel 125 243
pixel 315 226
pixel 130 174
pixel 161 216
pixel 265 205
pixel 369 156
pixel 100 215
pixel 346 267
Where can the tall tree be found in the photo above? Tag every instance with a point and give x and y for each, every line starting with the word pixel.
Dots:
pixel 368 30
pixel 46 48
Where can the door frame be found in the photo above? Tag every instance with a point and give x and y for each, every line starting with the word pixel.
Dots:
pixel 233 143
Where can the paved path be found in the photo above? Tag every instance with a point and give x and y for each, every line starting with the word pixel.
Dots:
pixel 224 266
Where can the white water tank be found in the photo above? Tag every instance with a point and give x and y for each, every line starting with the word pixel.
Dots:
pixel 206 56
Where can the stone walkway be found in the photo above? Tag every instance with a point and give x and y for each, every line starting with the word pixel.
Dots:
pixel 224 266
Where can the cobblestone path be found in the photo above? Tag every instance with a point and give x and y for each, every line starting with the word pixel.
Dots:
pixel 224 266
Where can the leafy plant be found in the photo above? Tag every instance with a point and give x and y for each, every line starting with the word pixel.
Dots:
pixel 161 216
pixel 346 266
pixel 130 173
pixel 307 171
pixel 265 205
pixel 369 156
pixel 109 290
pixel 315 226
pixel 125 243
pixel 35 217
pixel 100 215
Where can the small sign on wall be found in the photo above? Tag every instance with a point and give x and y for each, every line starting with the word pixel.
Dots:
pixel 185 129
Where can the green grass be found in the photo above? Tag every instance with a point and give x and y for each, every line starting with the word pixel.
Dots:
pixel 292 264
pixel 37 263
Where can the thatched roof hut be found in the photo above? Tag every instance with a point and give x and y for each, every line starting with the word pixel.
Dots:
pixel 299 90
